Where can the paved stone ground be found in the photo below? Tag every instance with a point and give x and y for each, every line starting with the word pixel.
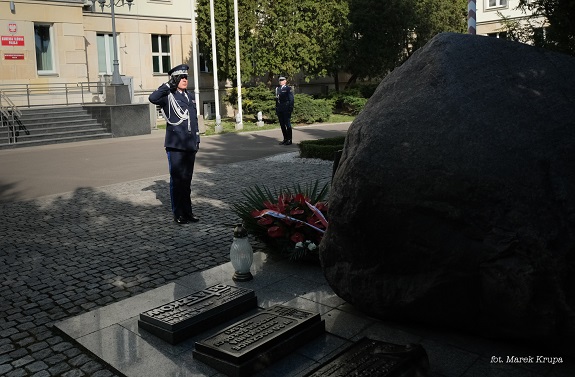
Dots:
pixel 68 254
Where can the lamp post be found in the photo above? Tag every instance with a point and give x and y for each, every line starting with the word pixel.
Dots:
pixel 219 128
pixel 117 93
pixel 116 79
pixel 239 121
pixel 195 59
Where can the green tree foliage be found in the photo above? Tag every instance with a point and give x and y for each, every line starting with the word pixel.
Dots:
pixel 436 16
pixel 384 33
pixel 328 24
pixel 527 30
pixel 376 36
pixel 225 34
pixel 560 33
pixel 276 37
pixel 367 38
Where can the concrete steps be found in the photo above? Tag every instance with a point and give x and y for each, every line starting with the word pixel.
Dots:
pixel 42 126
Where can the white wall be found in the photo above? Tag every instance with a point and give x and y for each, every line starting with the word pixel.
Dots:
pixel 488 18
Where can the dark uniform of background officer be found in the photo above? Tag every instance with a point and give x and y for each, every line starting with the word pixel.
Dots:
pixel 284 108
pixel 182 139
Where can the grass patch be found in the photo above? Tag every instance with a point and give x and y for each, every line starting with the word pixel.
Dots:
pixel 229 124
pixel 340 118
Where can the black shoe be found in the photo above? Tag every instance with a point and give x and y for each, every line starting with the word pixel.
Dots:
pixel 288 142
pixel 192 219
pixel 181 220
pixel 283 142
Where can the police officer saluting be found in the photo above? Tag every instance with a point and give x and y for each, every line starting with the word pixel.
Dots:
pixel 182 139
pixel 284 108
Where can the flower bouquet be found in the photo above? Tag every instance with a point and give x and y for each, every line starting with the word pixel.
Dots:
pixel 289 220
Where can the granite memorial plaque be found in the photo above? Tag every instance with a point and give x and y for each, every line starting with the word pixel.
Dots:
pixel 180 319
pixel 368 357
pixel 254 343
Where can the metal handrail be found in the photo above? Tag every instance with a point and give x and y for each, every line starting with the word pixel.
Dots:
pixel 89 84
pixel 34 92
pixel 9 114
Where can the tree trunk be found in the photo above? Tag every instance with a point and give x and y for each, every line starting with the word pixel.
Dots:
pixel 270 80
pixel 351 81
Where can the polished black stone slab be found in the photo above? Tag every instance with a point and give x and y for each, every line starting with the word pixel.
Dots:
pixel 254 343
pixel 374 358
pixel 180 319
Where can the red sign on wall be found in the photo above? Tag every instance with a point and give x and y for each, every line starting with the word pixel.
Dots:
pixel 12 40
pixel 13 56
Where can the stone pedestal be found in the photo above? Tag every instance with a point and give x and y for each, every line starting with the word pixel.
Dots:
pixel 201 125
pixel 118 95
pixel 123 120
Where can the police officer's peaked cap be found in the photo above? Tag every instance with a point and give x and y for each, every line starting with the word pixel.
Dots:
pixel 181 69
pixel 281 78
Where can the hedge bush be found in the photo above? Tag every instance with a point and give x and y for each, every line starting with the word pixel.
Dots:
pixel 349 102
pixel 254 99
pixel 323 148
pixel 309 110
pixel 260 98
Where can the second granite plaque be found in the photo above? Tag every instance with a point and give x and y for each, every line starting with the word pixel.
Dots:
pixel 255 342
pixel 180 319
pixel 375 358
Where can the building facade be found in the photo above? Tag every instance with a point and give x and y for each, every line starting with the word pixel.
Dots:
pixel 489 15
pixel 69 42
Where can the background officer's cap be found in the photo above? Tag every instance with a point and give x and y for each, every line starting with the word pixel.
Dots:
pixel 281 78
pixel 181 69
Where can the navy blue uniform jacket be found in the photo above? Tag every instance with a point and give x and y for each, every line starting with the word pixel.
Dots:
pixel 284 99
pixel 179 109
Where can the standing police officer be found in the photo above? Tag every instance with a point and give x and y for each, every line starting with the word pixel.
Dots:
pixel 284 108
pixel 182 139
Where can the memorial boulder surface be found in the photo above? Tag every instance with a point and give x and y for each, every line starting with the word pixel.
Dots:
pixel 454 199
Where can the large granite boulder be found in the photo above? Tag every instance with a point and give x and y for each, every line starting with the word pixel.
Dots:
pixel 454 199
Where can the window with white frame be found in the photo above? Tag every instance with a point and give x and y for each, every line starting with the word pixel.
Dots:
pixel 209 110
pixel 44 40
pixel 161 60
pixel 204 62
pixel 495 3
pixel 500 34
pixel 105 53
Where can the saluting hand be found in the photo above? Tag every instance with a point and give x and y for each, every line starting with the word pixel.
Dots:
pixel 172 83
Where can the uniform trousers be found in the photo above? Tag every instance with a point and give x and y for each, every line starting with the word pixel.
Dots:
pixel 284 118
pixel 181 166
